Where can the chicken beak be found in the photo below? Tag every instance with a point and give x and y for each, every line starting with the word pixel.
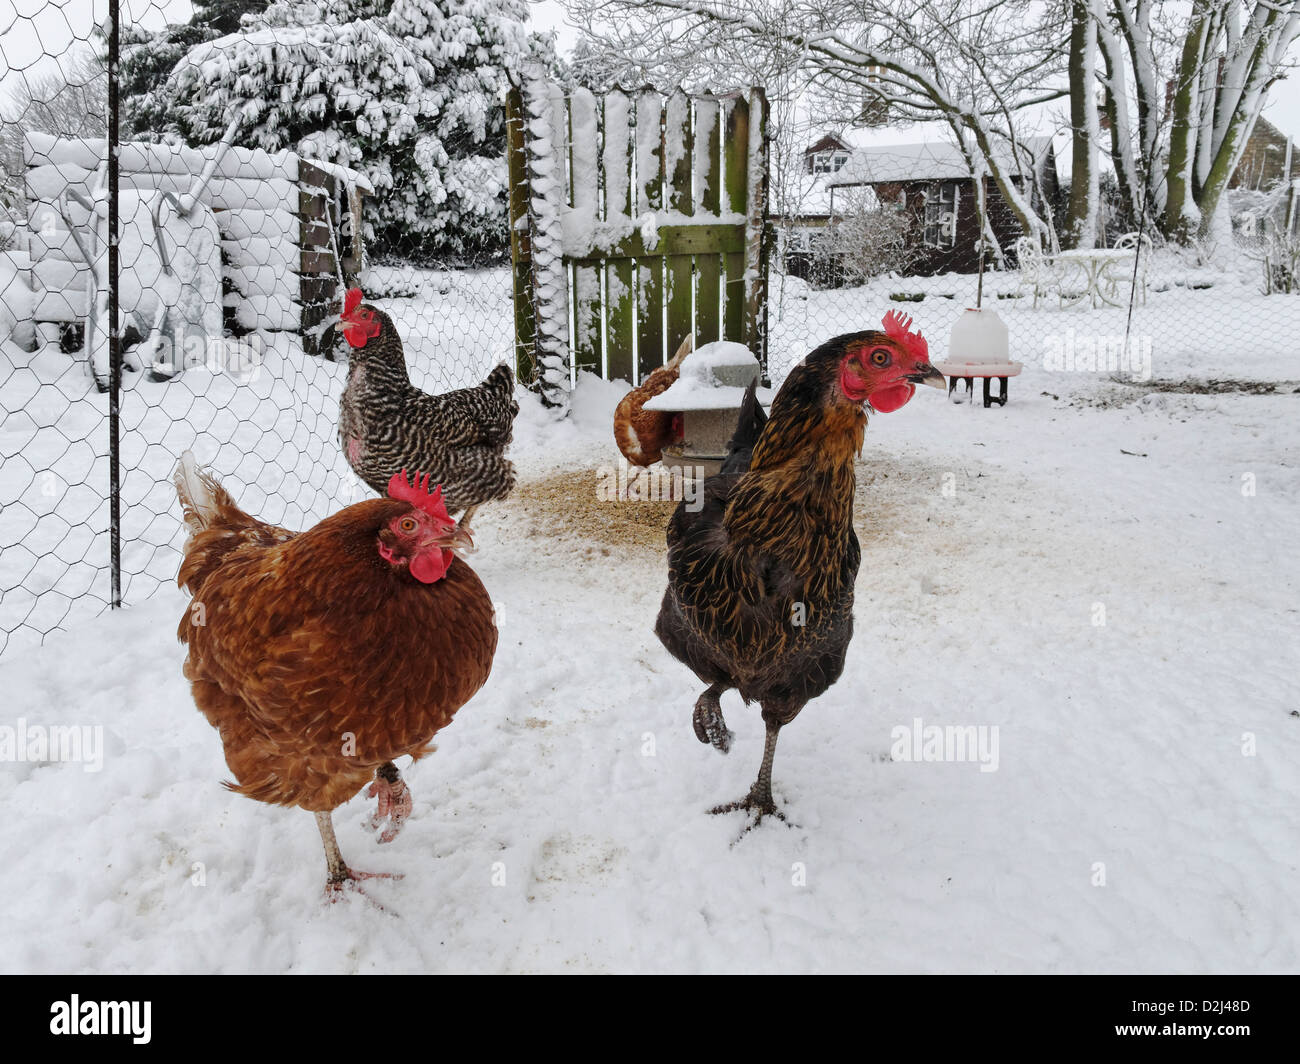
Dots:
pixel 927 374
pixel 458 541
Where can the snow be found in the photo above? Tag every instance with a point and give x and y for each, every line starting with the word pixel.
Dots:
pixel 1102 571
pixel 701 386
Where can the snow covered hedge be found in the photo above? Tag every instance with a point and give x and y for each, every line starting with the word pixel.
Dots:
pixel 410 92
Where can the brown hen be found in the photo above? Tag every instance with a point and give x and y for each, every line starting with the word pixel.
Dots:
pixel 322 656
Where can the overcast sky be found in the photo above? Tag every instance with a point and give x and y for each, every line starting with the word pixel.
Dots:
pixel 33 31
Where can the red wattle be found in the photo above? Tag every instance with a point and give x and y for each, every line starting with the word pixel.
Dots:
pixel 888 399
pixel 431 566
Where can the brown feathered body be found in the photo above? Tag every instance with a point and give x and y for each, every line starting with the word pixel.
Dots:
pixel 315 659
pixel 760 579
pixel 386 424
pixel 643 434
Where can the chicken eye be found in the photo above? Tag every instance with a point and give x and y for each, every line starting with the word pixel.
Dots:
pixel 407 524
pixel 880 357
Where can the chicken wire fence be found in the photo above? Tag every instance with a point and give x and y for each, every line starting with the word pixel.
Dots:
pixel 1139 310
pixel 206 327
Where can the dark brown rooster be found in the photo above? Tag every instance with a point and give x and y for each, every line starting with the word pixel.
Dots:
pixel 387 424
pixel 760 578
pixel 321 656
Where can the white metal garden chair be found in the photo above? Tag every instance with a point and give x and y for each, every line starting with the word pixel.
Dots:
pixel 1036 269
pixel 1119 279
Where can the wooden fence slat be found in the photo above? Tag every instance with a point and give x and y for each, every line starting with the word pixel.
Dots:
pixel 756 243
pixel 620 295
pixel 649 197
pixel 679 146
pixel 584 135
pixel 665 233
pixel 521 257
pixel 736 181
pixel 708 200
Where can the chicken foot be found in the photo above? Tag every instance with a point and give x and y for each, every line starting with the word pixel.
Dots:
pixel 710 727
pixel 340 875
pixel 759 800
pixel 395 802
pixel 464 518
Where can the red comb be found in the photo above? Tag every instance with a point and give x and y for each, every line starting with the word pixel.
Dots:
pixel 418 495
pixel 359 324
pixel 898 327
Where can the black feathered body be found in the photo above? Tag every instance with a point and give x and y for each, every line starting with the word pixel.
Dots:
pixel 386 425
pixel 760 579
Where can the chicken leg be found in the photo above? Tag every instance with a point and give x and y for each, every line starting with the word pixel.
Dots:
pixel 710 727
pixel 759 799
pixel 395 802
pixel 340 875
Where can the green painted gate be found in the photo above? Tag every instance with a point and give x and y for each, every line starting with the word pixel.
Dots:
pixel 636 220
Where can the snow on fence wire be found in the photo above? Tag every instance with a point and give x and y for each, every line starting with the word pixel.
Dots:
pixel 636 220
pixel 230 262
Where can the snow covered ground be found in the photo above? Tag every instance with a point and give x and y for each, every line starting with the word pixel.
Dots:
pixel 1103 572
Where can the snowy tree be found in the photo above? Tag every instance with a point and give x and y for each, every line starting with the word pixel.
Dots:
pixel 410 92
pixel 223 16
pixel 977 67
pixel 146 107
pixel 1216 59
pixel 71 101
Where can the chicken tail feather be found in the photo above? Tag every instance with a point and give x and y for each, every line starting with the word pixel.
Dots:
pixel 202 497
pixel 749 426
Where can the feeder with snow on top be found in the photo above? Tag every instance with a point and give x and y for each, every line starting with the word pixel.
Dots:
pixel 707 394
pixel 979 349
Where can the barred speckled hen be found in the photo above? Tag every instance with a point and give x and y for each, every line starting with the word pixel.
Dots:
pixel 761 575
pixel 386 424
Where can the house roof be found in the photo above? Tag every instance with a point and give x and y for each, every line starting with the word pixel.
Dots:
pixel 931 161
pixel 830 142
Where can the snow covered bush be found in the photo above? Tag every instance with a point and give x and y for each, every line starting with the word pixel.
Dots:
pixel 865 240
pixel 411 92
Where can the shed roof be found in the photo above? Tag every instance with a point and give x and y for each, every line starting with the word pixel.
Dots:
pixel 933 161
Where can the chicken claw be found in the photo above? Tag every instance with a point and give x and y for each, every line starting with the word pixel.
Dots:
pixel 709 724
pixel 395 802
pixel 336 889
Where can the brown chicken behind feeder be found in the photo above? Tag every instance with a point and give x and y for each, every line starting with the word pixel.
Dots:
pixel 642 434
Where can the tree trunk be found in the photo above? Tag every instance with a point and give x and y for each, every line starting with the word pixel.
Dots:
pixel 1181 218
pixel 1081 218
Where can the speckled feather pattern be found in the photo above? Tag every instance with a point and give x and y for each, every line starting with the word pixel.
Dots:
pixel 773 544
pixel 386 424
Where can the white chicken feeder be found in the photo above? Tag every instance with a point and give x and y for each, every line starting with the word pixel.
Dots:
pixel 979 349
pixel 708 393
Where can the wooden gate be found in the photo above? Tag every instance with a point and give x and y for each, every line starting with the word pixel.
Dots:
pixel 636 220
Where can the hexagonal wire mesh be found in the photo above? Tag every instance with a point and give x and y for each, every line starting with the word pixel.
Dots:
pixel 896 229
pixel 230 261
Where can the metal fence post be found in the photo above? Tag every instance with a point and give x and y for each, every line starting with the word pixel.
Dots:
pixel 114 344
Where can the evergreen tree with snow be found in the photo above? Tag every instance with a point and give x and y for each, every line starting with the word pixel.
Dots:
pixel 223 16
pixel 410 92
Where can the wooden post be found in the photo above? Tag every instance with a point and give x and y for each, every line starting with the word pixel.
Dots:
pixel 620 292
pixel 708 198
pixel 649 200
pixel 584 197
pixel 521 256
pixel 679 269
pixel 735 177
pixel 756 242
